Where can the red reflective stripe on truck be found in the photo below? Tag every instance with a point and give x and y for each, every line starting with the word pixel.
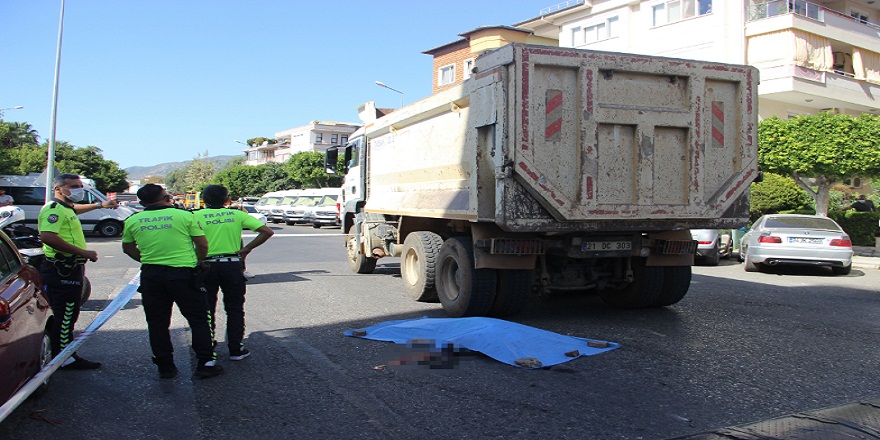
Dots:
pixel 553 117
pixel 718 124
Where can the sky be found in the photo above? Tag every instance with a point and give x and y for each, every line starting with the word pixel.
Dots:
pixel 154 81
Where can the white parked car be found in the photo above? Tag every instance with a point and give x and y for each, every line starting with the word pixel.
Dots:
pixel 792 239
pixel 712 246
pixel 254 213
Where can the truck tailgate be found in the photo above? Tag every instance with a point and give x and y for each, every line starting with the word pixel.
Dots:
pixel 610 136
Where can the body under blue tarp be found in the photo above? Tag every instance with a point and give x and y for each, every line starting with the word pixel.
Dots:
pixel 501 340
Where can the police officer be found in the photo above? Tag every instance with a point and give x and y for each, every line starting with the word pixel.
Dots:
pixel 63 269
pixel 226 255
pixel 162 239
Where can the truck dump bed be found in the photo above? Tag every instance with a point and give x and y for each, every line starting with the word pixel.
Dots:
pixel 554 139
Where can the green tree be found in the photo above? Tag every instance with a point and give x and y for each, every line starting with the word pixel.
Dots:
pixel 18 134
pixel 307 168
pixel 174 182
pixel 90 162
pixel 275 178
pixel 198 173
pixel 87 161
pixel 15 136
pixel 825 148
pixel 241 180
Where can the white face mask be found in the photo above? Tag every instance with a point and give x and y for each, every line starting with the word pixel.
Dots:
pixel 76 194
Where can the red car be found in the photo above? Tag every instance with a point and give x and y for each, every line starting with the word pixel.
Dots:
pixel 25 317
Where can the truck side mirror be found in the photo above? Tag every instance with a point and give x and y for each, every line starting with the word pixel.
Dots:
pixel 331 156
pixel 348 151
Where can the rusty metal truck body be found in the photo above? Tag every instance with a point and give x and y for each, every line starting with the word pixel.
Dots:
pixel 554 169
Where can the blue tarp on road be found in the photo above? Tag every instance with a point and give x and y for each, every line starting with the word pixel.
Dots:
pixel 502 340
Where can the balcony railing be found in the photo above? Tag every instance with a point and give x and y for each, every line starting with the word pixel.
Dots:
pixel 561 6
pixel 800 7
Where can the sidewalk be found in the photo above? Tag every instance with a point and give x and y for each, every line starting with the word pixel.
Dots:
pixel 866 257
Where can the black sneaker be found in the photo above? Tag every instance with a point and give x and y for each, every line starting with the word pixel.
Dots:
pixel 205 371
pixel 168 372
pixel 81 364
pixel 239 355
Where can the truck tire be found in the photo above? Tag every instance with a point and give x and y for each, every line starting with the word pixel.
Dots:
pixel 641 292
pixel 109 228
pixel 676 282
pixel 512 293
pixel 357 262
pixel 418 263
pixel 462 289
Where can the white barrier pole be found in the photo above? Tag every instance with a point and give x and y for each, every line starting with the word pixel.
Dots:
pixel 120 301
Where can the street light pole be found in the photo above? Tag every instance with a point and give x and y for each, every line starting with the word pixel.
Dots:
pixel 50 161
pixel 381 84
pixel 10 108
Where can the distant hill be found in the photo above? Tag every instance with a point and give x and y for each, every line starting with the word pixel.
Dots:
pixel 137 172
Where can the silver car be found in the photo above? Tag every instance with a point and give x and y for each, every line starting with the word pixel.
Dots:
pixel 712 246
pixel 792 239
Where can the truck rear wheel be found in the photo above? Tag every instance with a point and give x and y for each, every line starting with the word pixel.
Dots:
pixel 418 263
pixel 357 262
pixel 641 292
pixel 462 289
pixel 512 294
pixel 676 282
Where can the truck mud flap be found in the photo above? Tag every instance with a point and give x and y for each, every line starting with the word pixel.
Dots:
pixel 854 420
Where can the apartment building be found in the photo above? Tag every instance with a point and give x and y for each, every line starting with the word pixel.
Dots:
pixel 812 56
pixel 315 136
pixel 454 62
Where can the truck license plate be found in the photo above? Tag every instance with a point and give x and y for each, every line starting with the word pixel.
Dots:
pixel 594 246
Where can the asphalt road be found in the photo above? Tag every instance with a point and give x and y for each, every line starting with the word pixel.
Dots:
pixel 741 347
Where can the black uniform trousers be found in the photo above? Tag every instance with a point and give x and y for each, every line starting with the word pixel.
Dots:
pixel 228 276
pixel 63 286
pixel 162 287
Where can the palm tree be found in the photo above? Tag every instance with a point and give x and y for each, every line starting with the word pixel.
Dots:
pixel 18 134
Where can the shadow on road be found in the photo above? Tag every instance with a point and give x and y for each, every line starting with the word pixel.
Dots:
pixel 284 277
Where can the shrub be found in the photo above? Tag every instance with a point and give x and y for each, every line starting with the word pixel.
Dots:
pixel 775 194
pixel 860 226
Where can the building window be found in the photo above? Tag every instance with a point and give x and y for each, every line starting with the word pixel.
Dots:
pixel 577 38
pixel 343 140
pixel 446 75
pixel 858 16
pixel 334 138
pixel 319 138
pixel 468 67
pixel 601 31
pixel 677 10
pixel 594 33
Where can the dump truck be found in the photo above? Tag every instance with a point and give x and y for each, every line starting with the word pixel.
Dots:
pixel 553 169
